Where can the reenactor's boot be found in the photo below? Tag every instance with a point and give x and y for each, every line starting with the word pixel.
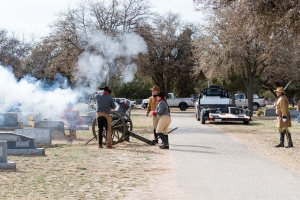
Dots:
pixel 167 139
pixel 290 142
pixel 165 144
pixel 281 143
pixel 100 137
pixel 155 136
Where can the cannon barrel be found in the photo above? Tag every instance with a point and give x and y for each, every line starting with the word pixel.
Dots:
pixel 141 138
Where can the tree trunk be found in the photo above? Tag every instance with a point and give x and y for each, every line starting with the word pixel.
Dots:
pixel 249 81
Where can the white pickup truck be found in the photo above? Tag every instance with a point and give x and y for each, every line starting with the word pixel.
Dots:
pixel 182 103
pixel 240 101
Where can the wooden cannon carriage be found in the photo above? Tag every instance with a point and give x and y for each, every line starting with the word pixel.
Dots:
pixel 121 127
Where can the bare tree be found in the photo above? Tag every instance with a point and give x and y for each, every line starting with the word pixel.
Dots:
pixel 234 44
pixel 118 17
pixel 169 61
pixel 12 51
pixel 74 30
pixel 276 16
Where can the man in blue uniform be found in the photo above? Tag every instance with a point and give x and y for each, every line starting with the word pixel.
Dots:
pixel 104 105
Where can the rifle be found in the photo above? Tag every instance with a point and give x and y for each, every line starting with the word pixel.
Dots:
pixel 284 89
pixel 287 85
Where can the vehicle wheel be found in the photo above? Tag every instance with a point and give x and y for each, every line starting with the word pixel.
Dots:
pixel 202 118
pixel 183 106
pixel 246 122
pixel 255 106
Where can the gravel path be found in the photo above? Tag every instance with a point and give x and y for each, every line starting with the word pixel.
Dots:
pixel 210 165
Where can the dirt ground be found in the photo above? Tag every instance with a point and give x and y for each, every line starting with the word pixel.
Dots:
pixel 72 170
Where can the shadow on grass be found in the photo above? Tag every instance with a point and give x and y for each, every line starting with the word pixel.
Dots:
pixel 252 123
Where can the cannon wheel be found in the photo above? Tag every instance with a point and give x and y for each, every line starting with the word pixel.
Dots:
pixel 128 123
pixel 120 125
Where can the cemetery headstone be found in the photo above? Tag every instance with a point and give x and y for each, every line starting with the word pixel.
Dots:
pixel 8 120
pixel 270 112
pixel 57 127
pixel 93 114
pixel 40 135
pixel 294 114
pixel 19 144
pixel 19 116
pixel 87 120
pixel 3 157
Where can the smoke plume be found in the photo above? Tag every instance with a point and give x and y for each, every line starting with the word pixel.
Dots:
pixel 110 57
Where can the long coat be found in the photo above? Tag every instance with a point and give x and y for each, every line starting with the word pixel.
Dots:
pixel 282 106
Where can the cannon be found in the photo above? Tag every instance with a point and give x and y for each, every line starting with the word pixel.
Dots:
pixel 121 128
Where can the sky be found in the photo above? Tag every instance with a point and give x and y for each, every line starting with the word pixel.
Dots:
pixel 34 16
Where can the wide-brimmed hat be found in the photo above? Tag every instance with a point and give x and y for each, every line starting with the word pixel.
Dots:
pixel 155 87
pixel 279 89
pixel 106 89
pixel 160 94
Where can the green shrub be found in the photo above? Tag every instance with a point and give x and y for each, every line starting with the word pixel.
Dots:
pixel 292 108
pixel 259 112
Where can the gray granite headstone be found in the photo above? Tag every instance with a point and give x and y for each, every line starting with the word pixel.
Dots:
pixel 93 114
pixel 270 112
pixel 8 120
pixel 3 151
pixel 294 114
pixel 87 120
pixel 37 117
pixel 40 135
pixel 3 157
pixel 57 127
pixel 19 115
pixel 19 144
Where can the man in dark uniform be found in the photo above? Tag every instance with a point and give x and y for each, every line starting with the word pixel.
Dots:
pixel 104 105
pixel 283 117
pixel 124 106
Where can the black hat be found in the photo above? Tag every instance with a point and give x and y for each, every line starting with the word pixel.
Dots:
pixel 161 94
pixel 106 89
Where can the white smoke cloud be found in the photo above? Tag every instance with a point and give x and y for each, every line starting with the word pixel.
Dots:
pixel 50 99
pixel 30 96
pixel 101 64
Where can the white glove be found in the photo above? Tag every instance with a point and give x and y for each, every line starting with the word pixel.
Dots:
pixel 283 118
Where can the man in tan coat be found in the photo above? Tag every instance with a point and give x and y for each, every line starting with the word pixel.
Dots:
pixel 152 104
pixel 283 117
